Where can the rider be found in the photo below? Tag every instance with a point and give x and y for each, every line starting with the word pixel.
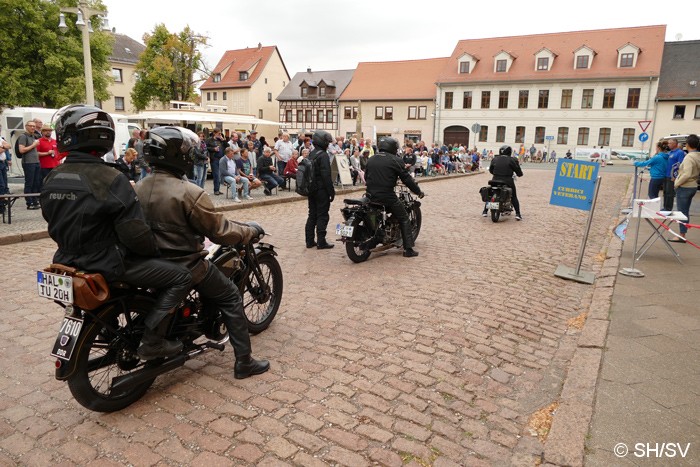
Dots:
pixel 95 218
pixel 382 171
pixel 182 214
pixel 502 168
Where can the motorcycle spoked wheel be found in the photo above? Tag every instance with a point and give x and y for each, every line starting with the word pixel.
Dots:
pixel 416 219
pixel 353 247
pixel 262 300
pixel 103 355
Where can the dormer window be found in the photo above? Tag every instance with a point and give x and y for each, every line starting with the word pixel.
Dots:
pixel 304 91
pixel 627 56
pixel 582 62
pixel 583 57
pixel 502 62
pixel 543 64
pixel 322 91
pixel 217 77
pixel 243 76
pixel 466 63
pixel 626 60
pixel 501 66
pixel 464 67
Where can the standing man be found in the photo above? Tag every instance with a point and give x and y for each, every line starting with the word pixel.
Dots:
pixel 145 169
pixel 686 182
pixel 49 157
pixel 215 147
pixel 283 151
pixel 320 200
pixel 256 142
pixel 27 144
pixel 675 158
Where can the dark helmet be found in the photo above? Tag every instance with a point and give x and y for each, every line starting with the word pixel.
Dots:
pixel 171 148
pixel 389 146
pixel 83 128
pixel 505 150
pixel 321 139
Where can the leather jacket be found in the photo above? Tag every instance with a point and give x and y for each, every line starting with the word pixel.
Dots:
pixel 382 172
pixel 322 170
pixel 181 214
pixel 503 167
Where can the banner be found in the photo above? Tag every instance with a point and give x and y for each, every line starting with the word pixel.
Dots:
pixel 574 184
pixel 592 154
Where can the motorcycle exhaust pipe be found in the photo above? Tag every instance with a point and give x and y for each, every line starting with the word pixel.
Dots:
pixel 121 384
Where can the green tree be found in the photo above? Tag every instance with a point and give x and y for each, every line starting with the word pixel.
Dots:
pixel 166 69
pixel 42 66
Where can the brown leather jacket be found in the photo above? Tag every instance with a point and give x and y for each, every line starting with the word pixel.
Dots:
pixel 181 214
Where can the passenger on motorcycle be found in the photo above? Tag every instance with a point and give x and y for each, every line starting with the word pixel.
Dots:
pixel 182 214
pixel 383 170
pixel 502 168
pixel 94 216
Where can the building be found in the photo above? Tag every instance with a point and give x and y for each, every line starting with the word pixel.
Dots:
pixel 244 82
pixel 394 99
pixel 125 55
pixel 583 88
pixel 678 98
pixel 310 101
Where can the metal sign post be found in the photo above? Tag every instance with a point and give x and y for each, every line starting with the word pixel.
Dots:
pixel 632 272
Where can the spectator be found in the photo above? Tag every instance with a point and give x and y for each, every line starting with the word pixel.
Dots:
pixel 553 156
pixel 268 172
pixel 27 144
pixel 135 136
pixel 235 140
pixel 229 174
pixel 533 151
pixel 199 172
pixel 252 138
pixel 215 148
pixel 263 143
pixel 686 182
pixel 357 172
pixel 253 156
pixel 290 169
pixel 49 158
pixel 127 165
pixel 657 169
pixel 364 158
pixel 568 154
pixel 675 158
pixel 143 165
pixel 409 159
pixel 245 169
pixel 283 152
pixel 5 163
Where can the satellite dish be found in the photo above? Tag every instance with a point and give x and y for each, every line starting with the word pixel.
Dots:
pixel 679 36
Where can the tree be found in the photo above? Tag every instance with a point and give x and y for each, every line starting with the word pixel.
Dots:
pixel 42 66
pixel 166 69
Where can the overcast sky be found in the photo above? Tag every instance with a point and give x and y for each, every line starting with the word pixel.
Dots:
pixel 337 34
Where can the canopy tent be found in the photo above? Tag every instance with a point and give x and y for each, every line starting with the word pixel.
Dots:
pixel 200 117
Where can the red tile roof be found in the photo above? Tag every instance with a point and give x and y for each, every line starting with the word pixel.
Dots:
pixel 605 42
pixel 405 80
pixel 237 61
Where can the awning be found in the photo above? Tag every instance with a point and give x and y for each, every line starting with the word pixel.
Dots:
pixel 198 116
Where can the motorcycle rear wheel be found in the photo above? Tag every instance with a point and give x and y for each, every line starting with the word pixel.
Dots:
pixel 261 301
pixel 495 215
pixel 353 248
pixel 104 354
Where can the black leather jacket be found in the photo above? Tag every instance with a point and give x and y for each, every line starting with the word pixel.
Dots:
pixel 322 170
pixel 503 167
pixel 94 216
pixel 382 172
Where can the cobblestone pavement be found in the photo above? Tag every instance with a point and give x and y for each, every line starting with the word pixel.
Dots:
pixel 435 360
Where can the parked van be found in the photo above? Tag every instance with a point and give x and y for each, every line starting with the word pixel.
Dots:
pixel 680 138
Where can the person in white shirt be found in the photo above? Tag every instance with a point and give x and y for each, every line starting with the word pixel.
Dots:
pixel 283 151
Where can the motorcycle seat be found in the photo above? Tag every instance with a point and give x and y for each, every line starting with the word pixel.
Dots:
pixel 355 201
pixel 497 183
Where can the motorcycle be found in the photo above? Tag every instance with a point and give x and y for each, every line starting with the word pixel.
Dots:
pixel 497 197
pixel 370 228
pixel 96 349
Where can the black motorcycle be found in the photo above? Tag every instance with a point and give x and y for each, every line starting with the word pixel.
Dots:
pixel 370 228
pixel 96 349
pixel 497 197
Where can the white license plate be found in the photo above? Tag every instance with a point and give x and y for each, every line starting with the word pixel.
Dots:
pixel 493 205
pixel 55 286
pixel 67 337
pixel 344 230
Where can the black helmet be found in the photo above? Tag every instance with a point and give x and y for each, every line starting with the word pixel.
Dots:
pixel 389 146
pixel 83 128
pixel 505 150
pixel 321 139
pixel 171 148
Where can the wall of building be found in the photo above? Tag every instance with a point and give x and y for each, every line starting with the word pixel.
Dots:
pixel 667 123
pixel 397 127
pixel 122 89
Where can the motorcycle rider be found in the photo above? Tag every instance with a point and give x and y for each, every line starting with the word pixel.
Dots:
pixel 182 214
pixel 320 200
pixel 502 167
pixel 94 216
pixel 383 169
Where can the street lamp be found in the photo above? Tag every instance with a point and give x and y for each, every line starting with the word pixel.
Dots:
pixel 84 13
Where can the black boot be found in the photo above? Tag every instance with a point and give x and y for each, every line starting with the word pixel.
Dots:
pixel 154 345
pixel 247 366
pixel 410 253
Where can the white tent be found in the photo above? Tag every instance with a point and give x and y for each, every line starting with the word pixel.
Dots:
pixel 200 117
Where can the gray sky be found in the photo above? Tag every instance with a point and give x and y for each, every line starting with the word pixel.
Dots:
pixel 337 34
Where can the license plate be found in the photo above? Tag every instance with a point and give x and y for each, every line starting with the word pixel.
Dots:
pixel 493 205
pixel 67 337
pixel 55 286
pixel 344 230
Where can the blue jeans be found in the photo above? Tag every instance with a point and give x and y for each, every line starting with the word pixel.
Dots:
pixel 684 196
pixel 215 173
pixel 272 181
pixel 244 182
pixel 32 181
pixel 655 185
pixel 200 175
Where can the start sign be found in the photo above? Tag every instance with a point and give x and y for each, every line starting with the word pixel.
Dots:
pixel 574 184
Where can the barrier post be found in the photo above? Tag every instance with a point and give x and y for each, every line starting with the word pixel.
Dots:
pixel 632 272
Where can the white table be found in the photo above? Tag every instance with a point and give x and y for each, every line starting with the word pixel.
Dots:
pixel 658 233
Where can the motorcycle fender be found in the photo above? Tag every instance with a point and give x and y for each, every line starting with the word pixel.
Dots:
pixel 265 248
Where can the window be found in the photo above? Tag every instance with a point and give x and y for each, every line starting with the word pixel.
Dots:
pixel 347 112
pixel 485 99
pixel 304 92
pixel 500 134
pixel 502 99
pixel 501 66
pixel 628 137
pixel 117 75
pixel 566 97
pixel 215 94
pixel 464 67
pixel 522 99
pixel 543 101
pixel 388 113
pixel 519 134
pixel 609 98
pixel 379 113
pixel 539 135
pixel 543 64
pixel 308 116
pixel 319 116
pixel 265 80
pixel 563 135
pixel 679 112
pixel 412 112
pixel 243 76
pixel 224 95
pixel 354 112
pixel 484 133
pixel 633 98
pixel 329 116
pixel 582 61
pixel 300 115
pixel 269 97
pixel 217 77
pixel 322 91
pixel 626 60
pixel 467 100
pixel 604 137
pixel 260 113
pixel 697 111
pixel 208 96
pixel 422 112
pixel 288 116
pixel 582 137
pixel 448 100
pixel 118 103
pixel 587 99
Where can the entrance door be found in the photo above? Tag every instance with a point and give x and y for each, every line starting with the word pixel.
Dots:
pixel 456 135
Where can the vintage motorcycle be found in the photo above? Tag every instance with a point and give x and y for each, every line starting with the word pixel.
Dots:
pixel 497 197
pixel 96 349
pixel 370 228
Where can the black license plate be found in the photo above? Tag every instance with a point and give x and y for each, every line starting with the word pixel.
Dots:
pixel 67 337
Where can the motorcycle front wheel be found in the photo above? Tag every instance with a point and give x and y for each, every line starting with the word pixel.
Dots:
pixel 495 215
pixel 261 299
pixel 353 248
pixel 107 352
pixel 416 219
